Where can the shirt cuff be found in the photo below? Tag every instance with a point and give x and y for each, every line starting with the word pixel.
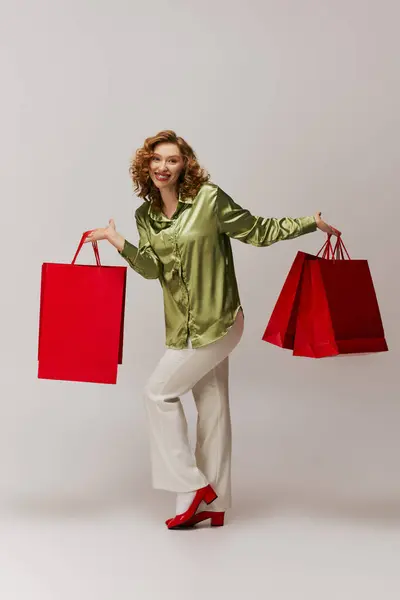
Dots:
pixel 128 251
pixel 308 224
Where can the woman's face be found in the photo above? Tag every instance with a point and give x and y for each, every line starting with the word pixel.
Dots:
pixel 166 165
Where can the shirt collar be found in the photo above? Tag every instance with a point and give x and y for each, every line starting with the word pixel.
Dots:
pixel 159 215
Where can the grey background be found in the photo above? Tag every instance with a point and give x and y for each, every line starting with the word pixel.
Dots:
pixel 293 108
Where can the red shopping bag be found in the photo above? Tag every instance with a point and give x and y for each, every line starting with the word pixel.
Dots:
pixel 281 327
pixel 81 320
pixel 338 311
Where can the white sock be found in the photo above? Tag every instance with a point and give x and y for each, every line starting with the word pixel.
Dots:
pixel 183 501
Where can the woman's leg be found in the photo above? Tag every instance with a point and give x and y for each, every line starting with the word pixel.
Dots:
pixel 173 463
pixel 214 435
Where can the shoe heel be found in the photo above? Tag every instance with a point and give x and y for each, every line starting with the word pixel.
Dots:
pixel 217 520
pixel 209 495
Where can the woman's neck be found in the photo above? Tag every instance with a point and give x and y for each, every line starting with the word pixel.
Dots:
pixel 169 199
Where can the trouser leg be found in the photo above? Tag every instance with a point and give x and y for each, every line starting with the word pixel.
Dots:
pixel 214 435
pixel 173 462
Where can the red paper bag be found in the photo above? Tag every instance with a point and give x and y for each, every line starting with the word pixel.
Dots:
pixel 281 327
pixel 338 311
pixel 81 321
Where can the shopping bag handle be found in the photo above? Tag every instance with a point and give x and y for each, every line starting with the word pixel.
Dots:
pixel 327 250
pixel 94 245
pixel 331 253
pixel 338 249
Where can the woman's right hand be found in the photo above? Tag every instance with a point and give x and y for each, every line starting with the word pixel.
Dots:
pixel 107 233
pixel 102 233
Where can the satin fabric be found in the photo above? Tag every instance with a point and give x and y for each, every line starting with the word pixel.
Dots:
pixel 191 255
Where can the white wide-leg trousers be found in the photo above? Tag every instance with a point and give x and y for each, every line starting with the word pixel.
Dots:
pixel 205 371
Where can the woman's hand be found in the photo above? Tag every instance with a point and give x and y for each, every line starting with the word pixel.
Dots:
pixel 102 233
pixel 325 227
pixel 107 233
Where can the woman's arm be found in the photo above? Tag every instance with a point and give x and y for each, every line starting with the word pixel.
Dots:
pixel 239 223
pixel 142 259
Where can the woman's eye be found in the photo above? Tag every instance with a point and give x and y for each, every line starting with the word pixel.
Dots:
pixel 156 158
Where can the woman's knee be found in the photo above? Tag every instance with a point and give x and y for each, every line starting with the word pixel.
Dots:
pixel 150 392
pixel 154 394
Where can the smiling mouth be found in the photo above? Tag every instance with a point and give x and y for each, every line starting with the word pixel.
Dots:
pixel 162 177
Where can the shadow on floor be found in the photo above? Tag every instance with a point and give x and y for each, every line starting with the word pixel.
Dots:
pixel 258 505
pixel 145 502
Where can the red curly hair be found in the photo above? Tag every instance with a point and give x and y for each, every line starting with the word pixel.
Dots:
pixel 190 180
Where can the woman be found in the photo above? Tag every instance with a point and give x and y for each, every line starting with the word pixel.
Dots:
pixel 185 224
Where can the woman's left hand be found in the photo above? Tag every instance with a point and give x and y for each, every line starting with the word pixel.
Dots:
pixel 325 227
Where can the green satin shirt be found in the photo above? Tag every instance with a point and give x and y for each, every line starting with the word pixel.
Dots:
pixel 191 255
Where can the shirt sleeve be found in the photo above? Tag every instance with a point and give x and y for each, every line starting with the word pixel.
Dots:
pixel 239 223
pixel 142 259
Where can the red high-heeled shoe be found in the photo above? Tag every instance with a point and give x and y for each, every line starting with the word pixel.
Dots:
pixel 205 493
pixel 217 519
